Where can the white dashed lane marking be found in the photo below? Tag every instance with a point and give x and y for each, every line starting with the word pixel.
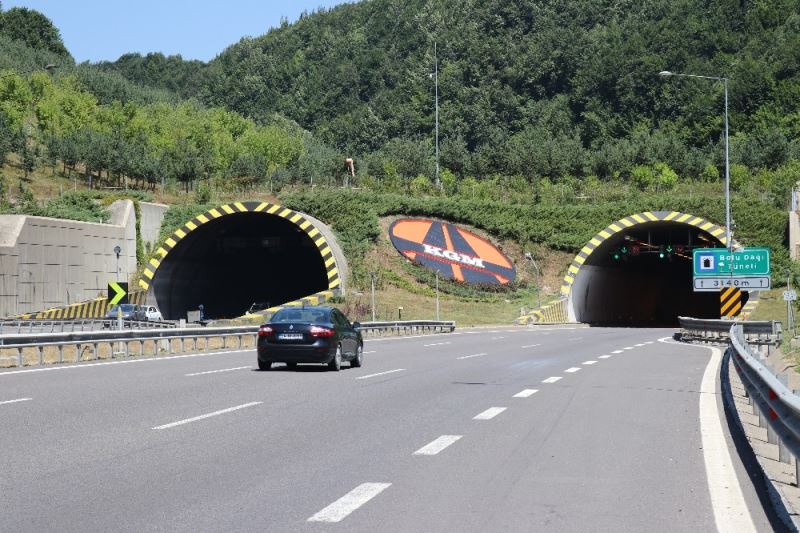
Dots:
pixel 640 345
pixel 381 373
pixel 617 351
pixel 590 362
pixel 530 346
pixel 217 371
pixel 489 413
pixel 208 415
pixel 526 393
pixel 572 370
pixel 16 401
pixel 552 379
pixel 438 445
pixel 341 508
pixel 604 357
pixel 628 348
pixel 471 356
pixel 372 351
pixel 435 344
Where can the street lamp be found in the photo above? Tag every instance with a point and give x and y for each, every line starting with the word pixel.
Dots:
pixel 667 74
pixel 436 104
pixel 529 257
pixel 437 294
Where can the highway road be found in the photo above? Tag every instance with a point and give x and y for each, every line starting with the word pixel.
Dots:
pixel 507 429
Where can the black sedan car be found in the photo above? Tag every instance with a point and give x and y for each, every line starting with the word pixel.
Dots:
pixel 310 335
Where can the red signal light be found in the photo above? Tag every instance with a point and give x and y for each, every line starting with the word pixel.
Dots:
pixel 263 331
pixel 636 249
pixel 317 331
pixel 679 249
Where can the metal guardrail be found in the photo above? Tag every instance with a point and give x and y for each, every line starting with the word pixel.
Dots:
pixel 10 327
pixel 762 332
pixel 165 336
pixel 405 327
pixel 776 403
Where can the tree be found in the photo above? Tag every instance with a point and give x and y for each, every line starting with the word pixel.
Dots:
pixel 34 29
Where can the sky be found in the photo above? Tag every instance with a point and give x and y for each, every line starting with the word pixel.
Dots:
pixel 97 30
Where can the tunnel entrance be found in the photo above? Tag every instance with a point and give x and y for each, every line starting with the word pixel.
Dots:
pixel 641 274
pixel 229 262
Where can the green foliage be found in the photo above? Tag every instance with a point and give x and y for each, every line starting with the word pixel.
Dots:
pixel 32 28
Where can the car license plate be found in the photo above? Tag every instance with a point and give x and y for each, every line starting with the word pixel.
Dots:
pixel 290 336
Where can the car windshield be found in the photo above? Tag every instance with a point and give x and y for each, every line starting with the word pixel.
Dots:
pixel 125 308
pixel 300 315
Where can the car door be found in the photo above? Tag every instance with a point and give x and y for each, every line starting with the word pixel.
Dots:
pixel 348 333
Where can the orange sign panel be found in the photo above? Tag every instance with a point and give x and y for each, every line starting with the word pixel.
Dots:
pixel 455 252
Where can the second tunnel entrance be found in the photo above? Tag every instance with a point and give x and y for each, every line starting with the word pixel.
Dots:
pixel 641 275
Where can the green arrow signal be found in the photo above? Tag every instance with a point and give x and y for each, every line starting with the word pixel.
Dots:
pixel 120 292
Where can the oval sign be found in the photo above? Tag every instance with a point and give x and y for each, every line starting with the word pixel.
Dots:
pixel 455 252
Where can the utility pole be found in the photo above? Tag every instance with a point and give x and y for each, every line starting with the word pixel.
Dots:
pixel 436 84
pixel 372 277
pixel 437 294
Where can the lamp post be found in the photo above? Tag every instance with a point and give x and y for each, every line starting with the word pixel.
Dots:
pixel 529 257
pixel 436 100
pixel 372 279
pixel 437 294
pixel 667 74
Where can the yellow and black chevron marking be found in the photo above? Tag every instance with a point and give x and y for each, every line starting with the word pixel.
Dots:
pixel 245 207
pixel 634 220
pixel 96 308
pixel 730 302
pixel 748 308
pixel 552 312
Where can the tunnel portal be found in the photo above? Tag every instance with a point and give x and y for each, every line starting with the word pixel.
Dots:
pixel 641 274
pixel 229 262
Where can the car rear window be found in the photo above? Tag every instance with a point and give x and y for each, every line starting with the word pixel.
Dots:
pixel 300 315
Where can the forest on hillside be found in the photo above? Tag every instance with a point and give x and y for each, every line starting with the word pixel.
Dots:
pixel 533 94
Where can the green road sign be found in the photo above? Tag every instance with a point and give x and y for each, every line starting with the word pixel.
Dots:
pixel 117 293
pixel 718 262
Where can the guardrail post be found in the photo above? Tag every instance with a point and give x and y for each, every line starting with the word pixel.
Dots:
pixel 94 351
pixel 19 358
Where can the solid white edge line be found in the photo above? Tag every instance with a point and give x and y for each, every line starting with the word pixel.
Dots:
pixel 341 508
pixel 727 500
pixel 16 401
pixel 438 445
pixel 124 362
pixel 207 415
pixel 551 379
pixel 572 369
pixel 525 393
pixel 471 356
pixel 381 373
pixel 489 413
pixel 217 371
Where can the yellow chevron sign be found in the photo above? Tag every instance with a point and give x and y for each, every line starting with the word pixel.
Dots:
pixel 117 293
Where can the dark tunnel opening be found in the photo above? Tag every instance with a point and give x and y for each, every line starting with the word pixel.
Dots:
pixel 642 277
pixel 235 260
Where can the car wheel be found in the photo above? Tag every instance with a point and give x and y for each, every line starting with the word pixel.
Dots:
pixel 358 360
pixel 336 362
pixel 264 365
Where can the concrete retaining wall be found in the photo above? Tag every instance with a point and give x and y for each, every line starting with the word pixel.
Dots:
pixel 49 262
pixel 150 224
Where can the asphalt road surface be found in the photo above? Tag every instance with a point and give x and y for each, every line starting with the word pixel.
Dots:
pixel 484 430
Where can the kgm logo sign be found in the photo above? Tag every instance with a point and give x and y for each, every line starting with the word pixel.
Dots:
pixel 455 252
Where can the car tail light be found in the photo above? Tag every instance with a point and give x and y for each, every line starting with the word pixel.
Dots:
pixel 263 331
pixel 317 331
